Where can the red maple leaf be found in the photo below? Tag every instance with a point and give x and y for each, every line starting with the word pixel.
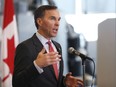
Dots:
pixel 10 58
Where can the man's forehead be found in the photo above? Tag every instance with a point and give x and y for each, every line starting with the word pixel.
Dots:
pixel 52 10
pixel 52 13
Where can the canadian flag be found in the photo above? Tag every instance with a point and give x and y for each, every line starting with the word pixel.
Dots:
pixel 8 43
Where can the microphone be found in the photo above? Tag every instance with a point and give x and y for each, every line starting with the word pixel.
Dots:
pixel 75 52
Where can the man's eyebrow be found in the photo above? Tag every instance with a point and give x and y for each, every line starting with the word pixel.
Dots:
pixel 59 18
pixel 52 16
pixel 55 17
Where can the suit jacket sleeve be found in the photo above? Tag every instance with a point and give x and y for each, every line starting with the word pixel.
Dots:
pixel 26 75
pixel 24 70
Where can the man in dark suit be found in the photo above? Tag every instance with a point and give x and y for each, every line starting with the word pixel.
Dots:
pixel 33 65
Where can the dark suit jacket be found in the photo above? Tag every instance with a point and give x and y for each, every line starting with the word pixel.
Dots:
pixel 25 73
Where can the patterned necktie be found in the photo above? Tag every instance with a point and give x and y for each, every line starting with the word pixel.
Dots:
pixel 54 65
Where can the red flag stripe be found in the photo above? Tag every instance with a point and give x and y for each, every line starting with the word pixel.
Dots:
pixel 9 42
pixel 8 12
pixel 5 78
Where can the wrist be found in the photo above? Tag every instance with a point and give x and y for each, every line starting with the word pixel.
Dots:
pixel 38 64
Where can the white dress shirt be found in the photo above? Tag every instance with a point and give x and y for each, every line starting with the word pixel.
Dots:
pixel 44 41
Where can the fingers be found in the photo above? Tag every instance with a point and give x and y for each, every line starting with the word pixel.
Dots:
pixel 54 57
pixel 45 59
pixel 72 81
pixel 54 60
pixel 80 82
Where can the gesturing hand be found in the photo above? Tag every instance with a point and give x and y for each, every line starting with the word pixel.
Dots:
pixel 44 59
pixel 71 81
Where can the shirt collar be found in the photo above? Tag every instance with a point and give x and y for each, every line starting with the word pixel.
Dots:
pixel 41 38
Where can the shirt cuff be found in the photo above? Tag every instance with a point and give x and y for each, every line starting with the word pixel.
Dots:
pixel 40 70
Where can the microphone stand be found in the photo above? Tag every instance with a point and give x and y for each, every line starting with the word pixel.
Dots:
pixel 83 64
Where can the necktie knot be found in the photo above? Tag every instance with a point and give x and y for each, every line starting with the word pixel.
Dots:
pixel 49 42
pixel 50 46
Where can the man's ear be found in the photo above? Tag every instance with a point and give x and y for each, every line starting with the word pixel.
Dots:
pixel 39 21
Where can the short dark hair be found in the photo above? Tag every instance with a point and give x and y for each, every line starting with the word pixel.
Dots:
pixel 40 12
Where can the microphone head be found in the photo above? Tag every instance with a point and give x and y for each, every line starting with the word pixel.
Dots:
pixel 71 50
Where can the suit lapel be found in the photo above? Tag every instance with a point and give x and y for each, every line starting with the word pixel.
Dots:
pixel 39 47
pixel 49 71
pixel 37 43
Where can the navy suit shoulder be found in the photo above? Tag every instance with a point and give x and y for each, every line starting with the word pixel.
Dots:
pixel 25 73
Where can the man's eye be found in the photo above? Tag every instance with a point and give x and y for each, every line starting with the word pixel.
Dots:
pixel 52 18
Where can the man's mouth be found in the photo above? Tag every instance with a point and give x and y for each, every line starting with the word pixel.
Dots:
pixel 55 30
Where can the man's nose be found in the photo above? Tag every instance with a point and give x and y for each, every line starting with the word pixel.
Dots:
pixel 57 23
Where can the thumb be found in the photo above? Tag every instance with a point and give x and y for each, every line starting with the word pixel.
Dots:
pixel 69 74
pixel 43 51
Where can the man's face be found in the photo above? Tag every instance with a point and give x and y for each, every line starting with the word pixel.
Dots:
pixel 49 24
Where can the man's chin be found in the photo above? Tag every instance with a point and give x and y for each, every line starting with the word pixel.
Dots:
pixel 53 36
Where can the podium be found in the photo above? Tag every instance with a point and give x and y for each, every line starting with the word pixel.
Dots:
pixel 106 53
